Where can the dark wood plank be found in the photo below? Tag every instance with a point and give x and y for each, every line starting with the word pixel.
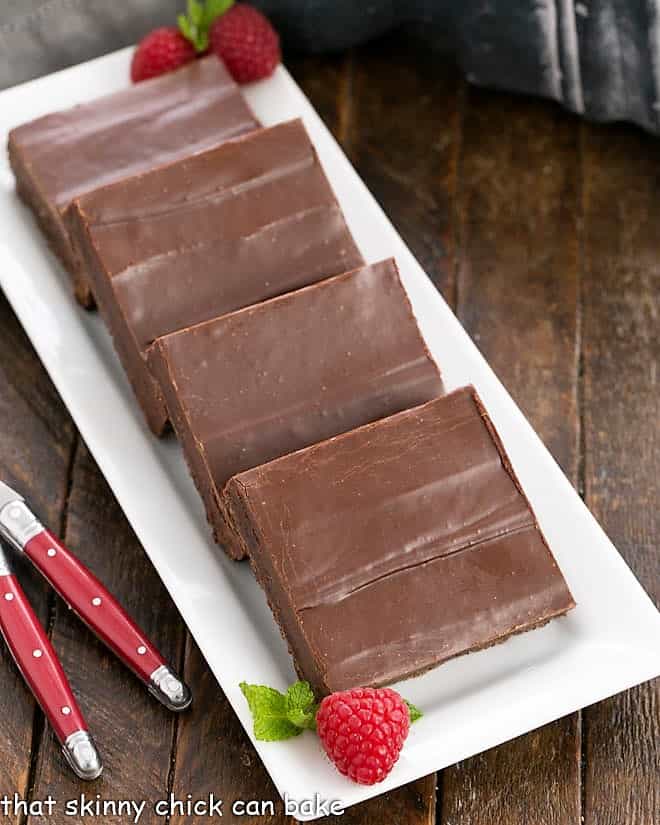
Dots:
pixel 404 139
pixel 36 442
pixel 133 732
pixel 518 297
pixel 227 764
pixel 520 257
pixel 328 83
pixel 412 804
pixel 621 414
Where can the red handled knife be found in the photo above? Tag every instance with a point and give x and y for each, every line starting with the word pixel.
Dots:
pixel 96 606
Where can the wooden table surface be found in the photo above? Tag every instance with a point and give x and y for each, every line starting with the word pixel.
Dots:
pixel 542 233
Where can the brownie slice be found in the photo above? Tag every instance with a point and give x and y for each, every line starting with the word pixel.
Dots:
pixel 393 548
pixel 61 156
pixel 273 378
pixel 251 219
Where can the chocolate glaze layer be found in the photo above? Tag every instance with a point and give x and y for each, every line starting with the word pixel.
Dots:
pixel 273 378
pixel 253 218
pixel 397 546
pixel 63 155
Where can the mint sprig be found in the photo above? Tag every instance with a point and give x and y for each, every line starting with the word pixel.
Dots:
pixel 301 706
pixel 195 25
pixel 415 712
pixel 279 715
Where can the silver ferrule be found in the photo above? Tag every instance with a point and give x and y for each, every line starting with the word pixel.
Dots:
pixel 81 754
pixel 166 686
pixel 18 524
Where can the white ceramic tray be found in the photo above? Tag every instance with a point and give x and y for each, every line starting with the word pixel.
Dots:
pixel 470 704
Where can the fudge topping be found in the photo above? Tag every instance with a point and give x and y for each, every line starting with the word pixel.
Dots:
pixel 219 231
pixel 421 513
pixel 273 378
pixel 63 155
pixel 227 228
pixel 148 124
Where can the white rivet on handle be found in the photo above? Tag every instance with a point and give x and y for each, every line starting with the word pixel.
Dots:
pixel 96 601
pixel 52 552
pixel 142 650
pixel 37 653
pixel 9 597
pixel 66 710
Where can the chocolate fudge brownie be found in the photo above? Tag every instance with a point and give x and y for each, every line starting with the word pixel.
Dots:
pixel 61 156
pixel 273 378
pixel 251 219
pixel 395 547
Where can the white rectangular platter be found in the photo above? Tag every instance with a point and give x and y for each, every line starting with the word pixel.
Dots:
pixel 470 704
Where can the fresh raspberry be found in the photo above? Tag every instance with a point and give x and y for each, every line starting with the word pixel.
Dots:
pixel 162 50
pixel 362 731
pixel 247 43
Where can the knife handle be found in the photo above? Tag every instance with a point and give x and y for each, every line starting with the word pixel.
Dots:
pixel 103 614
pixel 41 669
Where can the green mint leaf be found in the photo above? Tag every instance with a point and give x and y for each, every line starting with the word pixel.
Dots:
pixel 303 720
pixel 184 26
pixel 261 697
pixel 269 712
pixel 196 24
pixel 195 12
pixel 214 8
pixel 202 41
pixel 301 707
pixel 273 729
pixel 193 26
pixel 299 695
pixel 415 713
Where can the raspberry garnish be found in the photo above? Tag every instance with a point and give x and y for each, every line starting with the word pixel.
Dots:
pixel 362 731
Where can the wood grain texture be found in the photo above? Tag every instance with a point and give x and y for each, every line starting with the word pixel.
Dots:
pixel 518 297
pixel 520 257
pixel 622 439
pixel 412 804
pixel 404 139
pixel 36 441
pixel 213 753
pixel 328 83
pixel 133 732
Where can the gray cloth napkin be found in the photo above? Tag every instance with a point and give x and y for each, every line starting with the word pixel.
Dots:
pixel 41 36
pixel 600 58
